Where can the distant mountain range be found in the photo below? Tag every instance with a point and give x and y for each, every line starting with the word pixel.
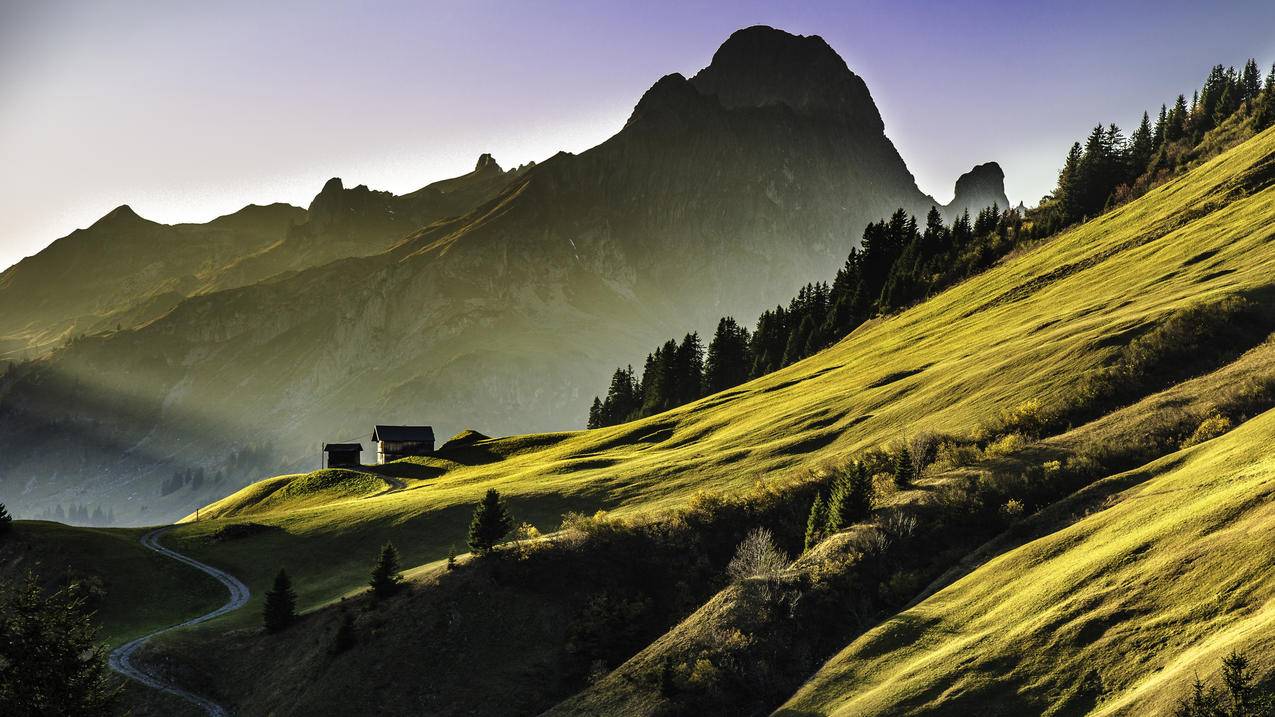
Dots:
pixel 494 300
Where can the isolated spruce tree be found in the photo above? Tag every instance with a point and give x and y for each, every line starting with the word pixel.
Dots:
pixel 344 638
pixel 490 524
pixel 904 470
pixel 595 414
pixel 817 522
pixel 386 579
pixel 51 662
pixel 280 609
pixel 6 520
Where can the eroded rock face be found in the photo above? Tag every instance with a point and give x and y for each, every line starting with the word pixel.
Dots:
pixel 977 189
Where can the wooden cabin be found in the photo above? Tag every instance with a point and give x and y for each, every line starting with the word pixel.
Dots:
pixel 395 442
pixel 342 455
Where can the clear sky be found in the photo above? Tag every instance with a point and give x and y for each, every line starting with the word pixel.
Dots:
pixel 188 110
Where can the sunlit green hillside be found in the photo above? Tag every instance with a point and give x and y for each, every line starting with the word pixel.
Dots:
pixel 1116 614
pixel 1028 329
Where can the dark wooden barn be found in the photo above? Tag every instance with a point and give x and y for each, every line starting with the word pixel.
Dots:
pixel 338 455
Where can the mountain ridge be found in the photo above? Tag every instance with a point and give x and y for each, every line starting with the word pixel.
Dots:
pixel 497 315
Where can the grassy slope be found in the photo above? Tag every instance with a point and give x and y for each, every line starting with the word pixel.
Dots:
pixel 1115 614
pixel 1028 328
pixel 142 590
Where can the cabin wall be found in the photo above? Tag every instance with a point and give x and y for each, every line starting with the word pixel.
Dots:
pixel 392 450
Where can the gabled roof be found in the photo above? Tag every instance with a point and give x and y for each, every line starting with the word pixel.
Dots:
pixel 342 447
pixel 406 434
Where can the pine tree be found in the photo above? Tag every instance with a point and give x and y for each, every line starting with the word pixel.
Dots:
pixel 386 579
pixel 817 522
pixel 1239 683
pixel 1160 126
pixel 280 608
pixel 490 524
pixel 1266 111
pixel 727 363
pixel 1177 120
pixel 904 472
pixel 6 520
pixel 345 637
pixel 1141 147
pixel 851 498
pixel 1251 83
pixel 53 663
pixel 595 414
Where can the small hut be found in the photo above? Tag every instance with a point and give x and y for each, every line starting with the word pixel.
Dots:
pixel 342 455
pixel 395 442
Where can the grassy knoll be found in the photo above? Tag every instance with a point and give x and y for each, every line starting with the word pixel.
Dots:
pixel 1115 614
pixel 139 589
pixel 1032 327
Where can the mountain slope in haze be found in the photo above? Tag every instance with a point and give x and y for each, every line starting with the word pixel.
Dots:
pixel 1031 329
pixel 125 270
pixel 83 282
pixel 722 194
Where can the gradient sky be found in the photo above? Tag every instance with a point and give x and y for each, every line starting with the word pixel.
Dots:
pixel 189 110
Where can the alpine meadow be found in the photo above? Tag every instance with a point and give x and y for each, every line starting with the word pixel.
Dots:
pixel 707 409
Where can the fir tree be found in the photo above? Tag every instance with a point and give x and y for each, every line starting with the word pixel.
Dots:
pixel 1158 136
pixel 817 522
pixel 904 471
pixel 51 662
pixel 1141 147
pixel 851 498
pixel 727 363
pixel 490 524
pixel 386 578
pixel 280 608
pixel 1239 683
pixel 595 414
pixel 6 520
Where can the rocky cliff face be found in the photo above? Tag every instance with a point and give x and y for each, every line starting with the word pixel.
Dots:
pixel 722 194
pixel 977 189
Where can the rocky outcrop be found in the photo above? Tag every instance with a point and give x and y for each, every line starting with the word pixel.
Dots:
pixel 977 189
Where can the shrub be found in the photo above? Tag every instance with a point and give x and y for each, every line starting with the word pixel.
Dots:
pixel 280 608
pixel 386 579
pixel 1210 428
pixel 1012 510
pixel 924 450
pixel 757 556
pixel 1006 445
pixel 952 453
pixel 345 638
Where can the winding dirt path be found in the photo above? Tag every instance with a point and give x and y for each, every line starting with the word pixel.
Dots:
pixel 121 659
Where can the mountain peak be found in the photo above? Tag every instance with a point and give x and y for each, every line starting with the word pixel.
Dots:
pixel 123 215
pixel 486 163
pixel 979 188
pixel 759 66
pixel 668 98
